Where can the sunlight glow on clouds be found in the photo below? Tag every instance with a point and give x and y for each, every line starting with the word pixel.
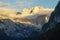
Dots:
pixel 7 12
pixel 26 16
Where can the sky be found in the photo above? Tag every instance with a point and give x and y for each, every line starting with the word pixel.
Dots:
pixel 21 4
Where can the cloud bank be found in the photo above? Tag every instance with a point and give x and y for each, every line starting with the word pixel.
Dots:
pixel 28 16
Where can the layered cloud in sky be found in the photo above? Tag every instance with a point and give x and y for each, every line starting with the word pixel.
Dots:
pixel 2 4
pixel 27 12
pixel 19 5
pixel 24 3
pixel 27 16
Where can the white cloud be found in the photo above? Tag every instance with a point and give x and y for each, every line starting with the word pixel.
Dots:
pixel 7 5
pixel 2 4
pixel 37 10
pixel 7 12
pixel 20 4
pixel 25 17
pixel 25 3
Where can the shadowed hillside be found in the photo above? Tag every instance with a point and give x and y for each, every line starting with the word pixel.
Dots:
pixel 51 30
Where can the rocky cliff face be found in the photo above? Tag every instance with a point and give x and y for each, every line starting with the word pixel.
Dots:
pixel 51 30
pixel 54 19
